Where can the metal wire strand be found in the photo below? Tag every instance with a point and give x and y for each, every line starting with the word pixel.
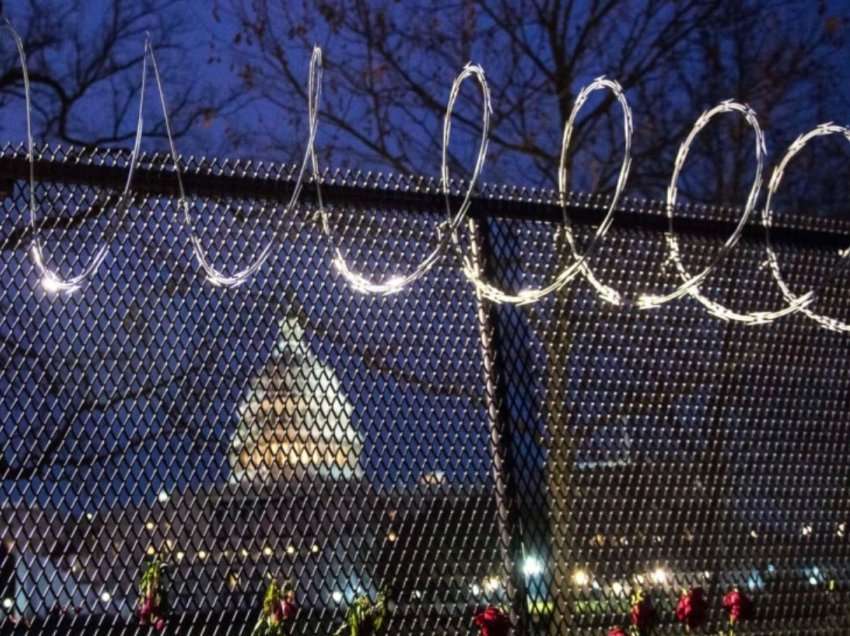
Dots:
pixel 215 276
pixel 803 301
pixel 691 283
pixel 579 264
pixel 51 280
pixel 448 229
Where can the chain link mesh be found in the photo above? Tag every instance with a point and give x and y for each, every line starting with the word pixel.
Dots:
pixel 552 459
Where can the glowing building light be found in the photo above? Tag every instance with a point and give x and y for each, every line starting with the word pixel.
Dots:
pixel 660 576
pixel 581 578
pixel 532 566
pixel 492 584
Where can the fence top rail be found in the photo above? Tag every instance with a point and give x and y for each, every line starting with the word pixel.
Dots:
pixel 223 177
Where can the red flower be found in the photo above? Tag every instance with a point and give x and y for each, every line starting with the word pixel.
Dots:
pixel 288 606
pixel 276 614
pixel 692 608
pixel 493 622
pixel 617 631
pixel 159 625
pixel 643 613
pixel 738 605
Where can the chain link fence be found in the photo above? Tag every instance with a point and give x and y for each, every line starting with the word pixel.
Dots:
pixel 551 459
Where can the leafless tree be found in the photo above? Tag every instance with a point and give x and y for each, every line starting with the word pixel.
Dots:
pixel 85 63
pixel 389 68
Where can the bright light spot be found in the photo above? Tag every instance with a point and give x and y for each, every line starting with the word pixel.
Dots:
pixel 392 537
pixel 660 576
pixel 394 283
pixel 106 597
pixel 532 566
pixel 754 534
pixel 314 549
pixel 151 550
pixel 476 589
pixel 202 555
pixel 53 285
pixel 243 553
pixel 290 550
pixel 162 496
pixel 617 588
pixel 337 596
pixel 492 583
pixel 267 551
pixel 581 578
pixel 417 594
pixel 771 568
pixel 842 527
pixel 807 530
pixel 8 604
pixel 89 516
pixel 707 574
pixel 179 556
pixel 150 525
pixel 813 580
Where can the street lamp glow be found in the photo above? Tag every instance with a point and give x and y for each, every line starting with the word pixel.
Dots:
pixel 8 604
pixel 581 578
pixel 532 566
pixel 660 576
pixel 492 583
pixel 337 596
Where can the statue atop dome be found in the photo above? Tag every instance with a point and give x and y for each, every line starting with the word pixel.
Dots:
pixel 295 421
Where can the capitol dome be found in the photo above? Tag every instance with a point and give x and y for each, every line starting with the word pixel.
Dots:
pixel 295 421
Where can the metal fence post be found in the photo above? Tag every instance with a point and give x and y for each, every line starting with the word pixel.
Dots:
pixel 510 539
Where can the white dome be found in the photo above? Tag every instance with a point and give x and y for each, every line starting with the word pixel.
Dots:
pixel 295 421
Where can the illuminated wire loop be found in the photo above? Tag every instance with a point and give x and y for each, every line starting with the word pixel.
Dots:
pixel 215 276
pixel 804 301
pixel 448 228
pixel 528 296
pixel 51 280
pixel 691 282
pixel 447 232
